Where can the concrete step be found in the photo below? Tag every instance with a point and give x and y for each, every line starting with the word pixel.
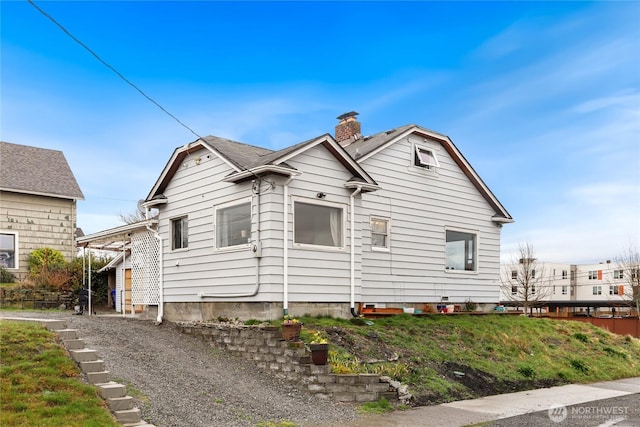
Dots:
pixel 111 389
pixel 120 403
pixel 77 344
pixel 92 366
pixel 140 424
pixel 98 377
pixel 54 325
pixel 84 355
pixel 128 415
pixel 67 334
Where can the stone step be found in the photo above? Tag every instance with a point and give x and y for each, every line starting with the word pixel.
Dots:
pixel 67 334
pixel 92 366
pixel 77 344
pixel 98 377
pixel 120 403
pixel 111 389
pixel 84 355
pixel 128 415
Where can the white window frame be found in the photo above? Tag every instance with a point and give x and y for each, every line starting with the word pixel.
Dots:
pixel 476 233
pixel 597 290
pixel 172 222
pixel 387 246
pixel 565 290
pixel 16 249
pixel 418 160
pixel 593 274
pixel 618 274
pixel 343 226
pixel 216 226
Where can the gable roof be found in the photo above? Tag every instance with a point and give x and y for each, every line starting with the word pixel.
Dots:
pixel 366 147
pixel 39 171
pixel 247 161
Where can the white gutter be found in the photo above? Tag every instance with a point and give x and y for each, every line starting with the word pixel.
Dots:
pixel 264 169
pixel 353 250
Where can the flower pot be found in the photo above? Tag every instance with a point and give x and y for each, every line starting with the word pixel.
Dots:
pixel 291 331
pixel 319 353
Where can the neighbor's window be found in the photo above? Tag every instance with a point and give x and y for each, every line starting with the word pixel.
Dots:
pixel 318 224
pixel 233 224
pixel 514 274
pixel 424 158
pixel 564 274
pixel 593 275
pixel 616 290
pixel 179 233
pixel 460 251
pixel 564 289
pixel 618 274
pixel 514 290
pixel 597 290
pixel 379 233
pixel 8 250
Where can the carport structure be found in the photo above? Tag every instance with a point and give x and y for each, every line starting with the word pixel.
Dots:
pixel 137 261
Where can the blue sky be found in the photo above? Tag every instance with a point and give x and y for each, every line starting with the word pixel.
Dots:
pixel 543 98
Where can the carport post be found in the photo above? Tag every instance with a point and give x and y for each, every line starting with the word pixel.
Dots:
pixel 89 273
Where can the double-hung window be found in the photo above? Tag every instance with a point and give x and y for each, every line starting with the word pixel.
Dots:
pixel 8 250
pixel 318 224
pixel 461 251
pixel 618 274
pixel 179 233
pixel 379 234
pixel 597 290
pixel 233 224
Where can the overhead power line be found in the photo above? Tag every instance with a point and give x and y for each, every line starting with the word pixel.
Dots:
pixel 106 64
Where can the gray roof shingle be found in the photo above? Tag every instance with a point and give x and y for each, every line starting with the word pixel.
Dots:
pixel 33 170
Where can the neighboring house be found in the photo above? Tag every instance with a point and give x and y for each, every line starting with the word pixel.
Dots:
pixel 576 287
pixel 323 227
pixel 38 195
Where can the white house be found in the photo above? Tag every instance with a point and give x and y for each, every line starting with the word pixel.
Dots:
pixel 397 219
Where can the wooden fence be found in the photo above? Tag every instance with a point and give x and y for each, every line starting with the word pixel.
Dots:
pixel 617 325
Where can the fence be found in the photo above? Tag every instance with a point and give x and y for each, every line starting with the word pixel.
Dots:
pixel 617 325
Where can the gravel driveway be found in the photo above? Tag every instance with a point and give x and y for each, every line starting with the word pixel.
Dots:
pixel 183 381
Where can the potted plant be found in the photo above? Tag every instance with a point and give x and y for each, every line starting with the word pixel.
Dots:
pixel 291 328
pixel 319 349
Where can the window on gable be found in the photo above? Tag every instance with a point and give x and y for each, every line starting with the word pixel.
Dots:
pixel 233 224
pixel 425 158
pixel 179 233
pixel 460 251
pixel 318 224
pixel 8 250
pixel 379 233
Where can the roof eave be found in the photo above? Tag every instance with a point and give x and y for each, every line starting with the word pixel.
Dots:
pixel 260 170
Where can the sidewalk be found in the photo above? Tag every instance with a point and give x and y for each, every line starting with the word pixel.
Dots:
pixel 469 412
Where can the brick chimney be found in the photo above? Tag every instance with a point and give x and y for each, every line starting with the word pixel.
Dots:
pixel 348 130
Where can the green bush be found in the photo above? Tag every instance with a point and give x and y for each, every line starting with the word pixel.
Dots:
pixel 42 258
pixel 6 276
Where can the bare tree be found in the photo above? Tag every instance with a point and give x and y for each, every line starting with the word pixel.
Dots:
pixel 629 267
pixel 138 215
pixel 524 280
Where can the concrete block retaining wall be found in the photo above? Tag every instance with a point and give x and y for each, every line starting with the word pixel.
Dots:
pixel 265 346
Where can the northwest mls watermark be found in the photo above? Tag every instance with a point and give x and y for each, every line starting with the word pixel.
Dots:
pixel 559 413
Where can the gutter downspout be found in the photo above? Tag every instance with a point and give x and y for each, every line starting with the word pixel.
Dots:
pixel 123 291
pixel 161 275
pixel 285 247
pixel 352 301
pixel 89 272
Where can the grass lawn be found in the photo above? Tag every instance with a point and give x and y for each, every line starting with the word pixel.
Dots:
pixel 40 385
pixel 451 357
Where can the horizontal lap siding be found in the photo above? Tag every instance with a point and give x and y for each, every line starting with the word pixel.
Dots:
pixel 420 207
pixel 321 275
pixel 194 191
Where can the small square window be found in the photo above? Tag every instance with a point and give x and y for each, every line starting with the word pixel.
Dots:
pixel 379 233
pixel 179 233
pixel 425 158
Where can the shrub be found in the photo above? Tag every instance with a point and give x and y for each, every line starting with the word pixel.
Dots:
pixel 579 366
pixel 527 371
pixel 6 276
pixel 45 258
pixel 581 337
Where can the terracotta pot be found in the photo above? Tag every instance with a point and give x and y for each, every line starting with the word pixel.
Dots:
pixel 319 353
pixel 291 331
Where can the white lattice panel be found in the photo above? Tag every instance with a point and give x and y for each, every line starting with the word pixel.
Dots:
pixel 145 269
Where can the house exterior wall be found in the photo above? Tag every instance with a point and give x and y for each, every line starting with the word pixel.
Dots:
pixel 234 274
pixel 38 221
pixel 421 206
